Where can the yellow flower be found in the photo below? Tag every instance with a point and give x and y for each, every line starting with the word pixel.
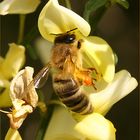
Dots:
pixel 56 19
pixel 121 86
pixel 63 127
pixel 93 126
pixel 9 66
pixel 18 6
pixel 96 53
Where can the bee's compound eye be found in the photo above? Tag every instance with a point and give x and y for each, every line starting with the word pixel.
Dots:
pixel 65 38
pixel 69 38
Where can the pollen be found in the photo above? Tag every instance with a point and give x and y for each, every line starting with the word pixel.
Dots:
pixel 88 81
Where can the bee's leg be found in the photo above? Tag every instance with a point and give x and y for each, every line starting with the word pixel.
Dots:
pixel 87 76
pixel 93 70
pixel 79 44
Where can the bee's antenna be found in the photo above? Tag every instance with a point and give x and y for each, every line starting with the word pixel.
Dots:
pixel 63 33
pixel 71 30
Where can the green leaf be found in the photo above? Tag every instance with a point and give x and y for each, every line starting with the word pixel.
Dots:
pixel 123 3
pixel 93 5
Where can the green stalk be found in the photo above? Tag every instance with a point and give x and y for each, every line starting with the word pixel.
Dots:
pixel 21 28
pixel 27 42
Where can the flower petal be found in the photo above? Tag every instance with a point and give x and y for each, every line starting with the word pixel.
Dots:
pixel 24 97
pixel 13 134
pixel 43 48
pixel 5 100
pixel 57 19
pixel 13 61
pixel 18 6
pixel 96 127
pixel 64 124
pixel 97 53
pixel 120 87
pixel 4 83
pixel 19 85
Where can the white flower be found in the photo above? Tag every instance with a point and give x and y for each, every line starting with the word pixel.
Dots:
pixel 18 6
pixel 24 100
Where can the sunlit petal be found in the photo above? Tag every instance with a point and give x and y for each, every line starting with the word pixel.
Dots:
pixel 14 60
pixel 120 87
pixel 56 19
pixel 96 127
pixel 98 54
pixel 61 126
pixel 13 134
pixel 18 6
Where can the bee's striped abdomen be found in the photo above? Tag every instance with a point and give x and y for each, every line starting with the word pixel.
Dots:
pixel 71 95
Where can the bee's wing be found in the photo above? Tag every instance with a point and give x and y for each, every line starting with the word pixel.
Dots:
pixel 41 78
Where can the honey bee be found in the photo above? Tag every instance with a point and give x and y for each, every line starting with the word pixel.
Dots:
pixel 68 73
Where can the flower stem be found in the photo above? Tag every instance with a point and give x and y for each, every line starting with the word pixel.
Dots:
pixel 21 28
pixel 68 4
pixel 28 38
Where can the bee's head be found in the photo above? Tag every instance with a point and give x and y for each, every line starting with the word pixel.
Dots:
pixel 66 38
